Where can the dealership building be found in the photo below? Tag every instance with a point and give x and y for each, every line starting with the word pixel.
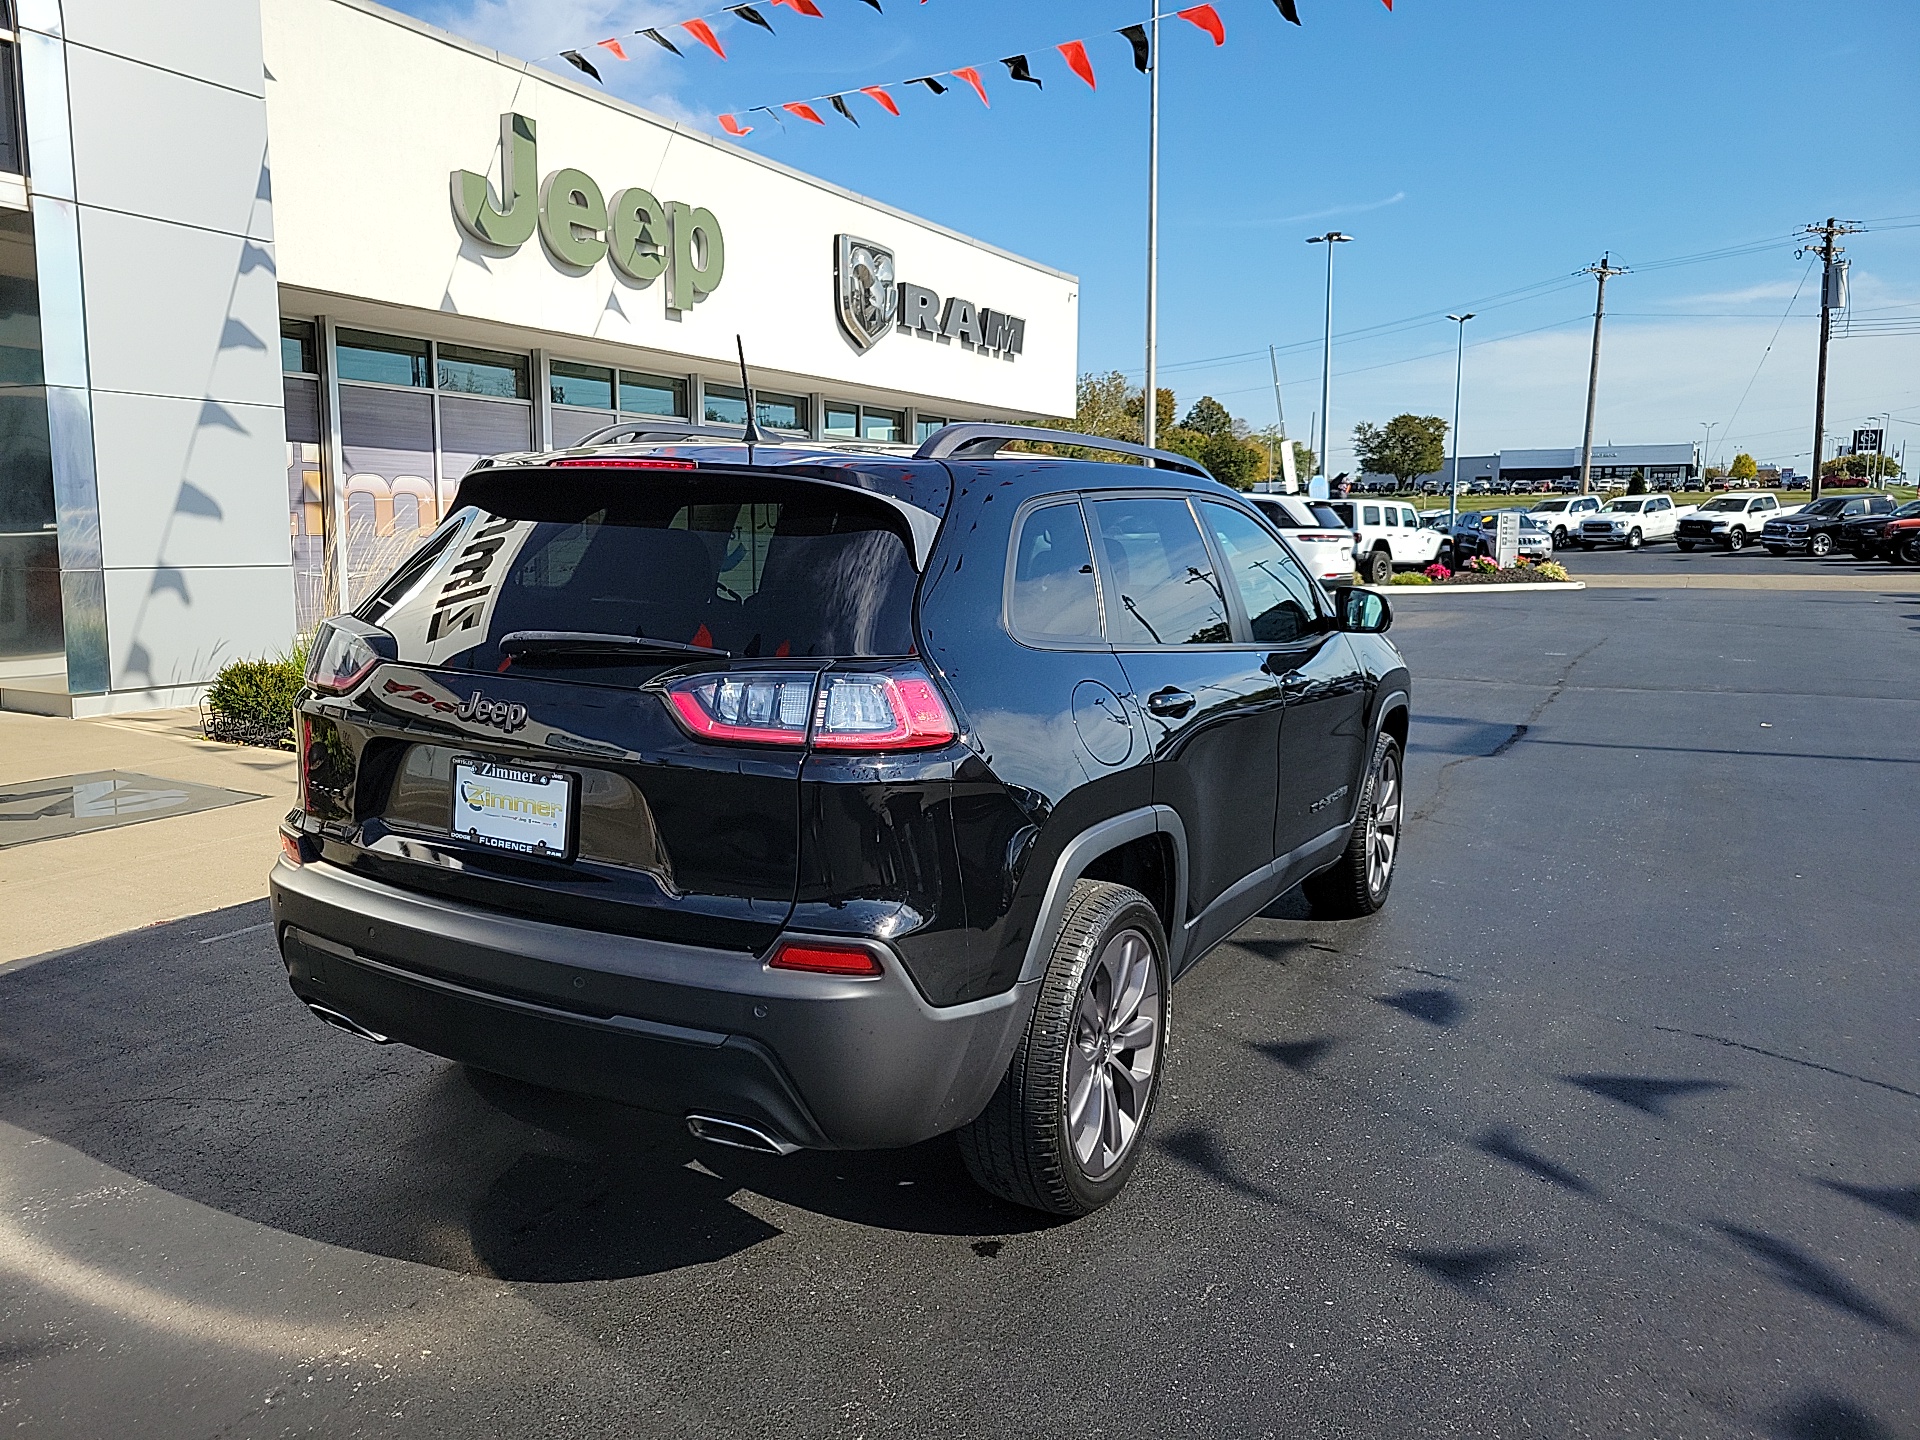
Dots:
pixel 274 273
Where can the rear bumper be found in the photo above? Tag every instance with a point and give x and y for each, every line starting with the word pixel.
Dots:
pixel 816 1060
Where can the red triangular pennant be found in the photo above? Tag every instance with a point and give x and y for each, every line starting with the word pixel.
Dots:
pixel 1208 19
pixel 614 48
pixel 1075 53
pixel 879 95
pixel 734 127
pixel 972 77
pixel 803 7
pixel 804 111
pixel 703 32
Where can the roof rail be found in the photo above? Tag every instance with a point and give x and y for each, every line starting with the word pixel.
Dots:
pixel 974 440
pixel 626 432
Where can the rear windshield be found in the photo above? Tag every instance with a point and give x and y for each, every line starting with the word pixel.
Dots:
pixel 756 566
pixel 1327 515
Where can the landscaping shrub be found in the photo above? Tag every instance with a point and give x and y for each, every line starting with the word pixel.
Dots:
pixel 1437 573
pixel 1481 565
pixel 250 702
pixel 1411 577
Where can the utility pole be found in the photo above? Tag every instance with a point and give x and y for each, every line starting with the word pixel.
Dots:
pixel 1150 416
pixel 1601 272
pixel 1833 286
pixel 1330 239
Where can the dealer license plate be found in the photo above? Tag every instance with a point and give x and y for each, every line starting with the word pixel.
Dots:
pixel 512 808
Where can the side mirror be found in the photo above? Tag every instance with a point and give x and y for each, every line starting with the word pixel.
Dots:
pixel 1361 612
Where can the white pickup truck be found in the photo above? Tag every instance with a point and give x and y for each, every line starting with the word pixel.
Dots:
pixel 1387 536
pixel 1633 521
pixel 1730 521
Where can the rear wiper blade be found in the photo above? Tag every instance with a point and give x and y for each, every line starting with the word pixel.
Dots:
pixel 583 643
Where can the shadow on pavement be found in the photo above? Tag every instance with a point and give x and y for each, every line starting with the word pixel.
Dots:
pixel 190 1066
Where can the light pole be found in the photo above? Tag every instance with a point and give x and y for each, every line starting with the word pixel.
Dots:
pixel 1330 239
pixel 1151 413
pixel 1706 450
pixel 1459 361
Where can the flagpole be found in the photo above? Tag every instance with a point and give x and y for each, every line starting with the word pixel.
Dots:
pixel 1151 409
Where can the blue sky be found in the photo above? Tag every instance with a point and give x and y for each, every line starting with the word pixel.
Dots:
pixel 1480 151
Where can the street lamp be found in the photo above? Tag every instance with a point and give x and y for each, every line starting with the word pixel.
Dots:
pixel 1706 451
pixel 1459 360
pixel 1330 239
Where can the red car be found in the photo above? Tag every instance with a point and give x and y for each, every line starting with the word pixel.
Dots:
pixel 1900 541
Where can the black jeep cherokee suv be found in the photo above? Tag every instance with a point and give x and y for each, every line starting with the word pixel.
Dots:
pixel 830 798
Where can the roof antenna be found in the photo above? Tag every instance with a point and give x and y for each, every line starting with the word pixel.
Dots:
pixel 752 433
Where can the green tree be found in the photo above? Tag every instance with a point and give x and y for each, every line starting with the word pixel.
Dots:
pixel 1861 466
pixel 1744 467
pixel 1163 413
pixel 1209 417
pixel 1638 484
pixel 1406 446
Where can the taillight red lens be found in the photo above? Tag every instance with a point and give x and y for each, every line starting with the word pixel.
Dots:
pixel 824 958
pixel 746 707
pixel 290 850
pixel 882 712
pixel 624 462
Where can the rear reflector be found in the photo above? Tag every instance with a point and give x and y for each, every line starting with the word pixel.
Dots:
pixel 290 850
pixel 623 462
pixel 823 958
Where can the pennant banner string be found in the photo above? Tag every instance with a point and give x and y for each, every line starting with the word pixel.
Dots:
pixel 700 29
pixel 1019 67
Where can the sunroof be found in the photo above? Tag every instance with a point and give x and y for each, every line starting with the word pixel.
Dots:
pixel 100 800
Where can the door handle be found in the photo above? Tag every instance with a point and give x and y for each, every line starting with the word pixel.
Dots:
pixel 1170 701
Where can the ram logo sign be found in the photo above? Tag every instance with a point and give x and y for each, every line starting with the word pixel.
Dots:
pixel 870 301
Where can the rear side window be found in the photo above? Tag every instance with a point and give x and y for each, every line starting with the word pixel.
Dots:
pixel 1329 516
pixel 1158 575
pixel 1051 594
pixel 1279 599
pixel 756 566
pixel 1369 514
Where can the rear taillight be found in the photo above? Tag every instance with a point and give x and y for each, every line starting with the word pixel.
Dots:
pixel 820 957
pixel 749 708
pixel 889 710
pixel 290 850
pixel 344 651
pixel 1314 538
pixel 882 712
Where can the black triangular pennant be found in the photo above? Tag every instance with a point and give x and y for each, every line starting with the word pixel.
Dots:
pixel 768 109
pixel 1142 48
pixel 931 83
pixel 580 62
pixel 751 16
pixel 1017 68
pixel 657 38
pixel 1285 7
pixel 876 7
pixel 839 102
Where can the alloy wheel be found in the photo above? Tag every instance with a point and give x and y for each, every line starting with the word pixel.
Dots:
pixel 1113 1053
pixel 1383 825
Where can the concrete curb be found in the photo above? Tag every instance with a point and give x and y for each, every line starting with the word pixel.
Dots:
pixel 1396 591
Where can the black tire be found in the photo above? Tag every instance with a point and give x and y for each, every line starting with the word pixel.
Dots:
pixel 1021 1147
pixel 1820 544
pixel 1559 537
pixel 1684 546
pixel 1380 567
pixel 1737 538
pixel 1586 544
pixel 1353 886
pixel 1635 539
pixel 1907 554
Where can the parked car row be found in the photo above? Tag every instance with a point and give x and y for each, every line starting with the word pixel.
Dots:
pixel 1869 527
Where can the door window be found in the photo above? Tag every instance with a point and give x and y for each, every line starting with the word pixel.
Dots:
pixel 1051 594
pixel 1158 575
pixel 1369 514
pixel 1409 519
pixel 1278 597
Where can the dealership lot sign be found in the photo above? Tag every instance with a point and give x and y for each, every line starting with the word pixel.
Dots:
pixel 639 236
pixel 872 301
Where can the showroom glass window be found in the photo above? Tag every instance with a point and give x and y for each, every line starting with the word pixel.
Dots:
pixel 306 495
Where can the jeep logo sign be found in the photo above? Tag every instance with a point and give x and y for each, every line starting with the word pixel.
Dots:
pixel 635 233
pixel 870 302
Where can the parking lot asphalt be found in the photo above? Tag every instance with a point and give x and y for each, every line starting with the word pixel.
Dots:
pixel 1608 1125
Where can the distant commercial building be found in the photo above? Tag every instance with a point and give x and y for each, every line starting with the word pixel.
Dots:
pixel 1654 463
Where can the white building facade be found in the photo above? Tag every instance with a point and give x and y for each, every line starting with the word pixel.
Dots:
pixel 273 273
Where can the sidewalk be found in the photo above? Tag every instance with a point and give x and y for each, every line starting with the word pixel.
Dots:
pixel 62 892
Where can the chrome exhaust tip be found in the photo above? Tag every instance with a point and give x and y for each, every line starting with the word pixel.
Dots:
pixel 738 1134
pixel 347 1023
